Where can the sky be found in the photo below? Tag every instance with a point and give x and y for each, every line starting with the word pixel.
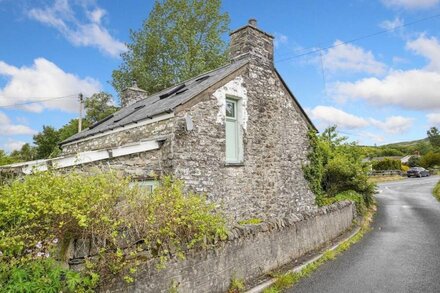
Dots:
pixel 372 67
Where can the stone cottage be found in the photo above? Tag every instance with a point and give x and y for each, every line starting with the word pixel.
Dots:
pixel 236 133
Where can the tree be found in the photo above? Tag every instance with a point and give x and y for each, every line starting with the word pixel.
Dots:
pixel 99 106
pixel 46 142
pixel 434 137
pixel 26 153
pixel 179 39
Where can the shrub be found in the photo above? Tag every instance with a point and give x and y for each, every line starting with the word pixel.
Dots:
pixel 336 166
pixel 387 164
pixel 436 191
pixel 42 213
pixel 429 160
pixel 351 195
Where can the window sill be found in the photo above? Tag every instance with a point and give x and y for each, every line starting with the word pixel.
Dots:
pixel 234 164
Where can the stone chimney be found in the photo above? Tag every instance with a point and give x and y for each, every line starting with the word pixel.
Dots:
pixel 132 94
pixel 250 40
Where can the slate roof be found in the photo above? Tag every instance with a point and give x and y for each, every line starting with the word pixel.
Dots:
pixel 164 101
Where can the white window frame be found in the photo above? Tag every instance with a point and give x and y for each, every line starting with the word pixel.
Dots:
pixel 238 118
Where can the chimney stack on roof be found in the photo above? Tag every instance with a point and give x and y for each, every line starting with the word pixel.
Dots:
pixel 249 40
pixel 132 94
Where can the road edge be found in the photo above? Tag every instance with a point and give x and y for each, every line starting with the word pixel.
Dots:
pixel 343 244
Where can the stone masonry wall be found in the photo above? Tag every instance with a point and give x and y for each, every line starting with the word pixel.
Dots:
pixel 270 182
pixel 136 134
pixel 249 252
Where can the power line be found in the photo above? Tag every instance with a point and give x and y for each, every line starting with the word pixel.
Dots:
pixel 359 38
pixel 38 101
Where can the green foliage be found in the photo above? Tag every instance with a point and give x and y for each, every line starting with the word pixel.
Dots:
pixel 47 208
pixel 336 166
pixel 361 206
pixel 430 160
pixel 436 191
pixel 179 40
pixel 387 164
pixel 252 221
pixel 236 286
pixel 434 137
pixel 46 142
pixel 414 161
pixel 98 107
pixel 43 274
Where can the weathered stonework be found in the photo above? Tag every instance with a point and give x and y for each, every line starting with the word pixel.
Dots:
pixel 269 183
pixel 249 252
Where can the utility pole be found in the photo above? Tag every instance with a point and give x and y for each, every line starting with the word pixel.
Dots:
pixel 81 102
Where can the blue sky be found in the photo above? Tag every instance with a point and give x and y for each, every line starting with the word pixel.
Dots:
pixel 380 89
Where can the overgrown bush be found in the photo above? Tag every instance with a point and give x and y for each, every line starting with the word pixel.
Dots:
pixel 430 160
pixel 387 164
pixel 335 166
pixel 42 213
pixel 361 206
pixel 436 191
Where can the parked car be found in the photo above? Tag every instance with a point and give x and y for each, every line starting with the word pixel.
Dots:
pixel 417 172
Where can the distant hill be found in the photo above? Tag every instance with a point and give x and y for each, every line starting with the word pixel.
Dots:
pixel 405 143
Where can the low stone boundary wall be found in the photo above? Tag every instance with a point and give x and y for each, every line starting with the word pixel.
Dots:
pixel 250 251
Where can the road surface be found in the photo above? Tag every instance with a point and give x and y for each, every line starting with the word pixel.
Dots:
pixel 400 254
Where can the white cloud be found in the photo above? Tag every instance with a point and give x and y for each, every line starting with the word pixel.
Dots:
pixel 331 116
pixel 411 4
pixel 433 119
pixel 90 33
pixel 13 145
pixel 415 89
pixel 8 128
pixel 412 89
pixel 428 48
pixel 392 24
pixel 393 124
pixel 348 57
pixel 44 80
pixel 327 116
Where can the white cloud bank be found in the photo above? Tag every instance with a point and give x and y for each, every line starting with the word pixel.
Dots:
pixel 411 4
pixel 416 89
pixel 92 33
pixel 12 145
pixel 433 119
pixel 348 57
pixel 8 128
pixel 44 80
pixel 327 116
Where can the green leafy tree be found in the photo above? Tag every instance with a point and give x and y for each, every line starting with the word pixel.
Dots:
pixel 98 106
pixel 46 142
pixel 414 161
pixel 26 153
pixel 434 137
pixel 429 160
pixel 179 39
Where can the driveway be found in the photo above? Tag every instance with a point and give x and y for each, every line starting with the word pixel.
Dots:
pixel 400 254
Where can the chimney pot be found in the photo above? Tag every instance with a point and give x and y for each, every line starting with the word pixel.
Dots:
pixel 253 22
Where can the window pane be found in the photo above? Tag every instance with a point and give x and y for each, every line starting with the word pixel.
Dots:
pixel 230 109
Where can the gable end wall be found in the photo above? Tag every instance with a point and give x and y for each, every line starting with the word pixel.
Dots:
pixel 270 183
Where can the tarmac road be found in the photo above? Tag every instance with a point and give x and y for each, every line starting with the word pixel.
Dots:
pixel 400 254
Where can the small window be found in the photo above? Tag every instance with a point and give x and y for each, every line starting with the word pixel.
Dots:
pixel 231 109
pixel 234 143
pixel 146 185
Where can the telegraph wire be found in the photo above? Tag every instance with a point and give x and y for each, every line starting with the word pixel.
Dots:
pixel 38 101
pixel 313 51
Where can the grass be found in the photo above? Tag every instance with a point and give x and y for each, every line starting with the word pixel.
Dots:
pixel 236 286
pixel 289 279
pixel 379 179
pixel 436 191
